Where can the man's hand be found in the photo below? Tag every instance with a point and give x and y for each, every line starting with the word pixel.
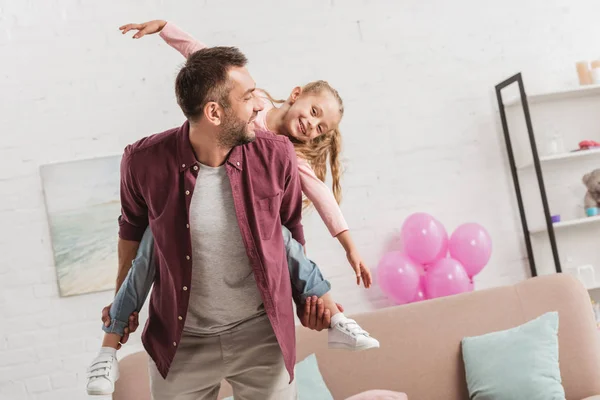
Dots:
pixel 314 315
pixel 145 28
pixel 132 327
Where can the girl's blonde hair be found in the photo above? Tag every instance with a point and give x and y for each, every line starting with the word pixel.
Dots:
pixel 325 146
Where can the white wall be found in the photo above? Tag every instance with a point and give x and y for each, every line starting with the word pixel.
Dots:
pixel 420 129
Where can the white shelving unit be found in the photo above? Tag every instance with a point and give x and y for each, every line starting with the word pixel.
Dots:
pixel 574 115
pixel 566 156
pixel 566 224
pixel 558 95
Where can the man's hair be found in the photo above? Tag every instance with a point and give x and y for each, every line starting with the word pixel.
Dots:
pixel 204 78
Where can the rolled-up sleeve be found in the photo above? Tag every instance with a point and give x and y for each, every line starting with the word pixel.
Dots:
pixel 133 220
pixel 291 205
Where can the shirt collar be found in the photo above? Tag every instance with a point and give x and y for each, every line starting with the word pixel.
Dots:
pixel 187 158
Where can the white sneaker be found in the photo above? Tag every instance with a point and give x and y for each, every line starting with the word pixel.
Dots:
pixel 346 334
pixel 102 375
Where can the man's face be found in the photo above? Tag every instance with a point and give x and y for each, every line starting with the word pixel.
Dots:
pixel 237 127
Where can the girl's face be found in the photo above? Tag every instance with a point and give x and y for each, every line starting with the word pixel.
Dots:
pixel 311 114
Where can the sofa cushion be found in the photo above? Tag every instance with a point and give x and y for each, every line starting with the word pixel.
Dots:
pixel 311 385
pixel 517 363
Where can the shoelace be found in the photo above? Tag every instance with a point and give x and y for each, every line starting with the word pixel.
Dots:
pixel 101 366
pixel 351 326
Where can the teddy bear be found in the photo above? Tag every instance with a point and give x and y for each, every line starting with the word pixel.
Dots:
pixel 592 181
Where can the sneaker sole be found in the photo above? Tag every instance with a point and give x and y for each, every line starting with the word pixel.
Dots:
pixel 99 393
pixel 341 346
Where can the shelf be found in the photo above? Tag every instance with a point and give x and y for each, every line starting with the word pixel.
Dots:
pixel 574 93
pixel 566 224
pixel 564 156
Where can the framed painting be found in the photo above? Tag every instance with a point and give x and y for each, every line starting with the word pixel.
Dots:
pixel 82 203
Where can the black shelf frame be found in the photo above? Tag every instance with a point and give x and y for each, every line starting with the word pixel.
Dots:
pixel 518 79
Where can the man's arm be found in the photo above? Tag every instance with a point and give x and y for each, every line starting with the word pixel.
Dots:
pixel 134 216
pixel 312 313
pixel 291 202
pixel 133 221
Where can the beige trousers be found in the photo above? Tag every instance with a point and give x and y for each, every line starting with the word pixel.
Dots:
pixel 248 357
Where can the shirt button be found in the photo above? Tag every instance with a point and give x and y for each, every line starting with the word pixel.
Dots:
pixel 238 163
pixel 174 344
pixel 195 168
pixel 185 288
pixel 187 257
pixel 187 192
pixel 180 318
pixel 187 226
pixel 182 165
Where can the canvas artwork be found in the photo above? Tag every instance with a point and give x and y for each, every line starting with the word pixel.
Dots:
pixel 82 203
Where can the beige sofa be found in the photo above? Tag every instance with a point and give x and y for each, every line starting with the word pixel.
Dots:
pixel 420 343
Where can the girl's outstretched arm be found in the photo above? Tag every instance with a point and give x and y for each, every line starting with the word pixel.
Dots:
pixel 175 37
pixel 331 214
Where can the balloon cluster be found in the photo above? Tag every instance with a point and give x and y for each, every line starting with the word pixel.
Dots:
pixel 430 264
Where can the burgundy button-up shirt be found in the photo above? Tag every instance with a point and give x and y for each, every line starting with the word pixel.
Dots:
pixel 158 176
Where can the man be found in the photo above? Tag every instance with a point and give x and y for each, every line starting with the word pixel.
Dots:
pixel 221 307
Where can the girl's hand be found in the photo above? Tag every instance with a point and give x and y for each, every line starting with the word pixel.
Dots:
pixel 145 28
pixel 361 270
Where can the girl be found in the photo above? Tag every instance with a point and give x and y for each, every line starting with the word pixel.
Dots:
pixel 309 117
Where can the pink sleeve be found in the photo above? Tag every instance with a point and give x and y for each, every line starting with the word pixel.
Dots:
pixel 180 40
pixel 322 197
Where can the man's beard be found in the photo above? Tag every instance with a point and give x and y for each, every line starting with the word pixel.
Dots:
pixel 235 132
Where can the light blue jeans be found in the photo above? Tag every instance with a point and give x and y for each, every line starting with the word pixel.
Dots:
pixel 305 275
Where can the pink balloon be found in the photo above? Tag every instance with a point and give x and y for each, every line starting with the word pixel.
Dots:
pixel 421 291
pixel 472 246
pixel 398 277
pixel 446 277
pixel 424 238
pixel 443 250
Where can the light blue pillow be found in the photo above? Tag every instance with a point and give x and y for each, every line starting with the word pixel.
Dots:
pixel 311 385
pixel 517 363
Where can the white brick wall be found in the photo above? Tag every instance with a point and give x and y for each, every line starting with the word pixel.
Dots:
pixel 421 131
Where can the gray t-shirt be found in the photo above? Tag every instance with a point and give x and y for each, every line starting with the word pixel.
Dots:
pixel 223 293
